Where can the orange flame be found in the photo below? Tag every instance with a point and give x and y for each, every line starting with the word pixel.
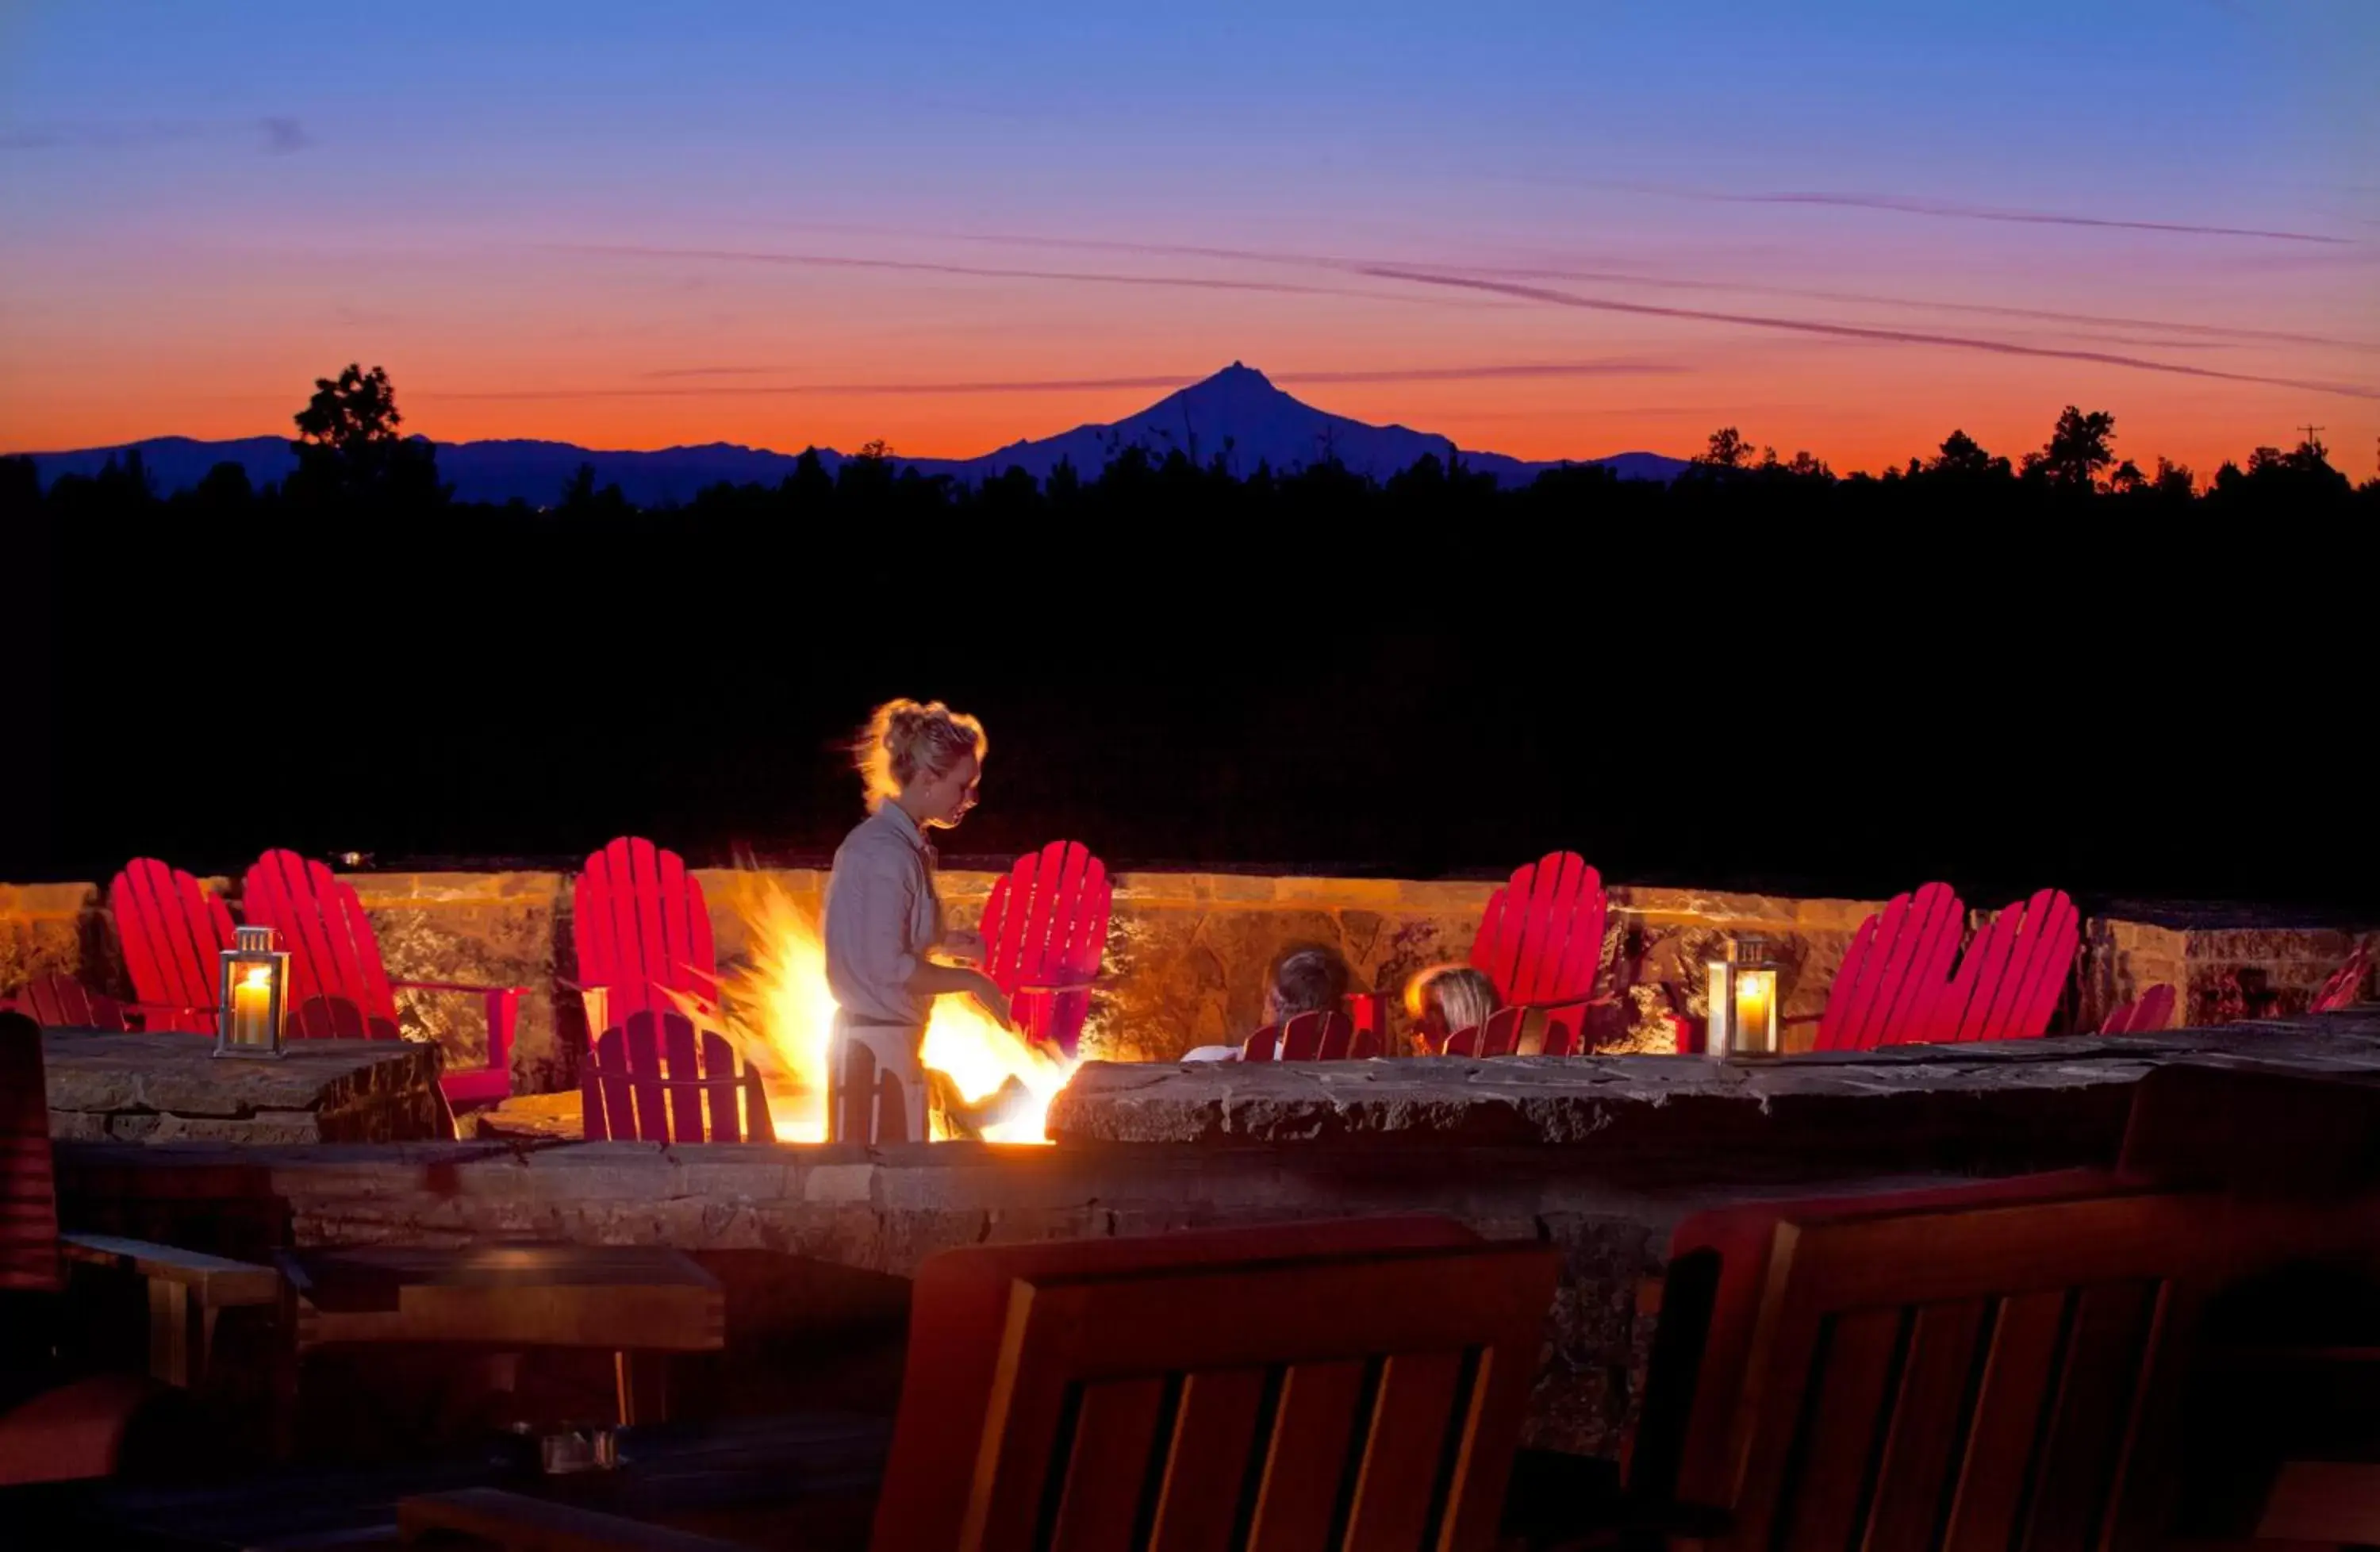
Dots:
pixel 775 1007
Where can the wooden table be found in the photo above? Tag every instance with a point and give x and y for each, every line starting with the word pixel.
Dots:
pixel 806 1480
pixel 637 1301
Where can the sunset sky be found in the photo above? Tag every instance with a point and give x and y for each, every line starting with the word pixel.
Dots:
pixel 1551 230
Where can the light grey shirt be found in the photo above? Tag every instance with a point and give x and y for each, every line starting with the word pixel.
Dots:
pixel 882 918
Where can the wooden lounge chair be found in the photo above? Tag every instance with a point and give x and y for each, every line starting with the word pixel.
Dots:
pixel 1400 1379
pixel 1541 941
pixel 1045 929
pixel 1994 1363
pixel 959 1315
pixel 1933 1349
pixel 60 1002
pixel 2149 1013
pixel 642 932
pixel 58 1428
pixel 1321 1035
pixel 657 1080
pixel 338 987
pixel 1085 1391
pixel 1904 981
pixel 172 929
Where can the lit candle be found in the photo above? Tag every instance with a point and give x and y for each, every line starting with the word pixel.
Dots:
pixel 251 1008
pixel 1756 999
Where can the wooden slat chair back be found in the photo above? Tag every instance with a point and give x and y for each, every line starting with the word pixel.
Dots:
pixel 1713 1291
pixel 2344 986
pixel 658 1080
pixel 1045 929
pixel 1893 973
pixel 1323 1035
pixel 959 1314
pixel 338 985
pixel 1541 937
pixel 2149 1013
pixel 2002 1377
pixel 869 1104
pixel 1516 1032
pixel 29 1196
pixel 1904 981
pixel 1376 1403
pixel 173 931
pixel 642 931
pixel 57 1000
pixel 2015 971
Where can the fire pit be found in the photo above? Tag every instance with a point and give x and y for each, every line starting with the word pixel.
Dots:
pixel 775 1008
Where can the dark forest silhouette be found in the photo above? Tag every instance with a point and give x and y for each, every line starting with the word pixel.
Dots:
pixel 354 462
pixel 2044 668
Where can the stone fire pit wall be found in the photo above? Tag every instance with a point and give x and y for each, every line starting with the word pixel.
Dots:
pixel 1186 951
pixel 1599 1157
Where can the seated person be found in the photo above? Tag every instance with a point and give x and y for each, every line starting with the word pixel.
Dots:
pixel 1445 998
pixel 1305 979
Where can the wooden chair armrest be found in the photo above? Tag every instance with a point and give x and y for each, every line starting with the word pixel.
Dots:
pixel 1092 984
pixel 138 1006
pixel 457 986
pixel 1584 1000
pixel 215 1280
pixel 504 1015
pixel 518 1524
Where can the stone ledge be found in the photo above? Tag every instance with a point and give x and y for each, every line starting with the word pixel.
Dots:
pixel 1940 1097
pixel 35 902
pixel 163 1088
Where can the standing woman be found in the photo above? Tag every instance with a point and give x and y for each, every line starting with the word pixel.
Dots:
pixel 920 765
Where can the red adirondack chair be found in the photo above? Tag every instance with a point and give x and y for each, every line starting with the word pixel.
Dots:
pixel 1542 940
pixel 1516 1032
pixel 1313 1036
pixel 337 985
pixel 2149 1012
pixel 172 930
pixel 1045 928
pixel 60 1002
pixel 2344 984
pixel 1898 986
pixel 642 931
pixel 654 1080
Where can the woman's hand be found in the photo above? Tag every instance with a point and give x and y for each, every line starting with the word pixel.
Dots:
pixel 992 999
pixel 964 945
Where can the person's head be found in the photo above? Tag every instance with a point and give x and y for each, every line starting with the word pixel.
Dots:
pixel 925 758
pixel 1447 997
pixel 1307 979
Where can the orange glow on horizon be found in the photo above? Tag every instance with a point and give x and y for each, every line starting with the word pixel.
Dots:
pixel 613 358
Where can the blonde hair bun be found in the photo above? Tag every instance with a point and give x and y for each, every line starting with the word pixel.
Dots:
pixel 906 739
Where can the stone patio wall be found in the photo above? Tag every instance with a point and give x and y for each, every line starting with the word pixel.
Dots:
pixel 1187 952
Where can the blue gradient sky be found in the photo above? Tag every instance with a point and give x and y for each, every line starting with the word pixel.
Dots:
pixel 955 225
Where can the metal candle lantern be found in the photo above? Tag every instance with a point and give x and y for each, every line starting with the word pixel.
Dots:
pixel 1744 1018
pixel 255 996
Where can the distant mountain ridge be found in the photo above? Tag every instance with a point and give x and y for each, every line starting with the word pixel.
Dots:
pixel 1236 414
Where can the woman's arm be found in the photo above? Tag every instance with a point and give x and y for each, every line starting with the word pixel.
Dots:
pixel 931 979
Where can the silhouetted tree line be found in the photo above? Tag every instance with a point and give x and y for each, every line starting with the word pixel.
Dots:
pixel 1179 662
pixel 353 462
